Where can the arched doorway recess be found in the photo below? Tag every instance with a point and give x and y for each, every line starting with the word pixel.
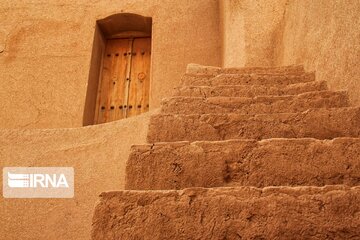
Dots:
pixel 120 69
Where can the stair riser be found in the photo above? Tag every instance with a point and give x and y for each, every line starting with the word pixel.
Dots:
pixel 275 162
pixel 286 104
pixel 316 123
pixel 210 70
pixel 246 79
pixel 239 213
pixel 249 91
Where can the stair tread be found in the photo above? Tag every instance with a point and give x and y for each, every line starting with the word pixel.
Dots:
pixel 246 79
pixel 258 104
pixel 324 93
pixel 219 213
pixel 249 90
pixel 319 123
pixel 271 162
pixel 210 70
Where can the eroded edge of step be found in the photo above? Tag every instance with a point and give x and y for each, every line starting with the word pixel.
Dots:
pixel 249 91
pixel 218 213
pixel 211 70
pixel 256 105
pixel 318 123
pixel 271 162
pixel 246 79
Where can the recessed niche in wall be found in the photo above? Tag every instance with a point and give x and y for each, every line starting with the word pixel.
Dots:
pixel 119 78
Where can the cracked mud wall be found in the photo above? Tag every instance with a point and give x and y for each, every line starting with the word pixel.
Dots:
pixel 45 51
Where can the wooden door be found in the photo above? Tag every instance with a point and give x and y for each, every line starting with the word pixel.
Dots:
pixel 125 79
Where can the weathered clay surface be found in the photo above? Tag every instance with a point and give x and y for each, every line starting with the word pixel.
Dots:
pixel 249 90
pixel 330 212
pixel 319 34
pixel 256 105
pixel 47 48
pixel 273 162
pixel 210 70
pixel 98 155
pixel 318 123
pixel 243 212
pixel 246 79
pixel 323 37
pixel 257 33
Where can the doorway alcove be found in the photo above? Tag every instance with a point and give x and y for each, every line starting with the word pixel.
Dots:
pixel 119 78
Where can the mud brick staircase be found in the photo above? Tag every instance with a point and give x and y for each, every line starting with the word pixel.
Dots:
pixel 242 153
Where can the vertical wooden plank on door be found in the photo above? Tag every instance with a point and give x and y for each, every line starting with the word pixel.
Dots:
pixel 128 76
pixel 112 89
pixel 140 77
pixel 119 81
pixel 102 97
pixel 111 95
pixel 146 53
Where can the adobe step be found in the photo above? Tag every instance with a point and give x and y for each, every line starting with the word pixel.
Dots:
pixel 249 90
pixel 330 212
pixel 197 69
pixel 257 105
pixel 318 123
pixel 246 79
pixel 272 162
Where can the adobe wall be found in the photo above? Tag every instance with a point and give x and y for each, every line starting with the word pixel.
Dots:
pixel 46 46
pixel 324 36
pixel 98 155
pixel 249 31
